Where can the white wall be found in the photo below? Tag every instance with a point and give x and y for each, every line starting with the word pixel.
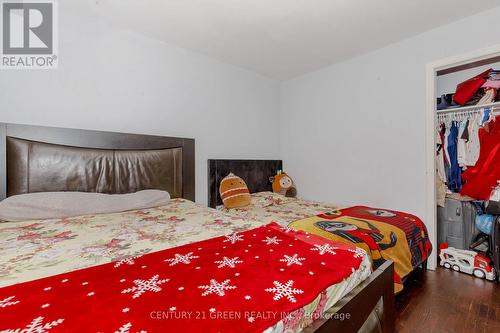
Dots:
pixel 446 84
pixel 354 133
pixel 110 79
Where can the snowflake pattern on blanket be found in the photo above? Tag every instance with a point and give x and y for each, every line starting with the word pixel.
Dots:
pixel 228 262
pixel 126 261
pixel 281 290
pixel 218 288
pixel 9 301
pixel 142 286
pixel 37 325
pixel 184 259
pixel 247 273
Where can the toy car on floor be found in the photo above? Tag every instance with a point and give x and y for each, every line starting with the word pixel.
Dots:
pixel 465 261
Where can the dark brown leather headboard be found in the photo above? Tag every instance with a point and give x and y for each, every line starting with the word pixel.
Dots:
pixel 39 159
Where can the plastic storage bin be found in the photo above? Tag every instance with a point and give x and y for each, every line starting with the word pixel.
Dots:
pixel 456 223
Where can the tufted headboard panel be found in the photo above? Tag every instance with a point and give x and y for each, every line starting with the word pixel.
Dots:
pixel 41 159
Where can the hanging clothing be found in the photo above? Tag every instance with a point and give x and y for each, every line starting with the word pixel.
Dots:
pixel 473 146
pixel 440 192
pixel 486 116
pixel 482 178
pixel 440 157
pixel 461 145
pixel 455 176
pixel 444 139
pixel 442 133
pixel 446 136
pixel 465 133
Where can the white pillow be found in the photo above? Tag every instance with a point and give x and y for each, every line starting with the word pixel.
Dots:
pixel 49 205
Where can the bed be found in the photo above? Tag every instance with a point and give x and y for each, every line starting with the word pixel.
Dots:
pixel 385 234
pixel 41 258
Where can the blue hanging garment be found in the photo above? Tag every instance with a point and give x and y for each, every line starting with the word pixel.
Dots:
pixel 486 115
pixel 455 175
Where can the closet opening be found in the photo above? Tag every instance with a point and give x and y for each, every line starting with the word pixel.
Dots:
pixel 463 154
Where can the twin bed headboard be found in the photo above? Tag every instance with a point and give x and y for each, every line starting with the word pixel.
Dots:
pixel 256 174
pixel 39 159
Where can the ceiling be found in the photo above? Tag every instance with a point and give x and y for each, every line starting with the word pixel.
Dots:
pixel 284 38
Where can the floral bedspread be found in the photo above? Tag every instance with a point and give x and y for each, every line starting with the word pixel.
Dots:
pixel 270 207
pixel 36 249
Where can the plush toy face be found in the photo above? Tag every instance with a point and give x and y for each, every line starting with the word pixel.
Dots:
pixel 283 185
pixel 234 192
pixel 286 182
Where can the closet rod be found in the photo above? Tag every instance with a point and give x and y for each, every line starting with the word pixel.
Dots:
pixel 495 107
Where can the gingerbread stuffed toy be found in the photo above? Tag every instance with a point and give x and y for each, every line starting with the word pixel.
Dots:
pixel 234 192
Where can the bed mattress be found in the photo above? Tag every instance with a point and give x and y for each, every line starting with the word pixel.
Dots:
pixel 36 249
pixel 384 234
pixel 270 207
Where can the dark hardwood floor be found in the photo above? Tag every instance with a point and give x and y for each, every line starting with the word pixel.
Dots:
pixel 447 301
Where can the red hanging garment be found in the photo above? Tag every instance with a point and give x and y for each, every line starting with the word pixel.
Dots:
pixel 482 178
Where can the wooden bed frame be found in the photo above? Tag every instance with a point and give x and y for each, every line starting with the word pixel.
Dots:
pixel 370 306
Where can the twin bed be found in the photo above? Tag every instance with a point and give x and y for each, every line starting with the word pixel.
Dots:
pixel 232 270
pixel 383 234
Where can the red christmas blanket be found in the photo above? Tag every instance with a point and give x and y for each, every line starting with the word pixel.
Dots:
pixel 224 284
